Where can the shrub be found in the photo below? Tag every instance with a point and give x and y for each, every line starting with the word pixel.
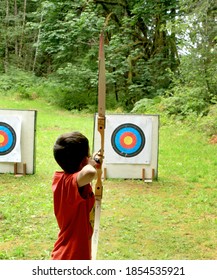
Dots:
pixel 186 100
pixel 147 105
pixel 20 83
pixel 208 124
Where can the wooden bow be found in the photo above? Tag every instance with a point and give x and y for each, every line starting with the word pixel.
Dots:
pixel 101 129
pixel 101 113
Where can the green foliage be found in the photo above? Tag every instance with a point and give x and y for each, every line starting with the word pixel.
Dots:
pixel 147 44
pixel 208 124
pixel 142 49
pixel 198 66
pixel 147 106
pixel 70 88
pixel 78 90
pixel 185 101
pixel 19 83
pixel 68 31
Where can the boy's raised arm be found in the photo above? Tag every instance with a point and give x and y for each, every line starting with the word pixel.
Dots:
pixel 87 173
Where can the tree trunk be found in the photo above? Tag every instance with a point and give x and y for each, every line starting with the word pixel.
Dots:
pixel 16 39
pixel 23 28
pixel 37 44
pixel 6 58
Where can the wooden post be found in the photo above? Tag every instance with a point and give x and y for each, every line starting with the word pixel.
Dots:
pixel 104 173
pixel 24 169
pixel 153 173
pixel 15 168
pixel 143 174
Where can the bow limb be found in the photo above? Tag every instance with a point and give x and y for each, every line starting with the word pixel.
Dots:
pixel 101 114
pixel 101 129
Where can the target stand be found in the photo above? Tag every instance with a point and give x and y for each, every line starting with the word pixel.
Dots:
pixel 17 141
pixel 16 169
pixel 131 146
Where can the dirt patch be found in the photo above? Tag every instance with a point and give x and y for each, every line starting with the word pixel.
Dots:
pixel 213 139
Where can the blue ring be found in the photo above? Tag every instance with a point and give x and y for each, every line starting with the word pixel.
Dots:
pixel 116 143
pixel 11 139
pixel 124 149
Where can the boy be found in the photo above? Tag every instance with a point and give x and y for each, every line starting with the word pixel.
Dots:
pixel 73 197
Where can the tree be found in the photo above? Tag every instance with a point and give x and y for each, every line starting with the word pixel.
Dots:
pixel 141 48
pixel 16 40
pixel 144 43
pixel 6 36
pixel 194 88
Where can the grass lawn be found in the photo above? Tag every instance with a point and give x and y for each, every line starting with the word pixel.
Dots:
pixel 172 218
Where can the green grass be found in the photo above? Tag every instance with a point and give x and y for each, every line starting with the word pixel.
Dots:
pixel 172 218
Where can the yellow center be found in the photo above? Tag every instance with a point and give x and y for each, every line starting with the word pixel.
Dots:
pixel 128 140
pixel 2 139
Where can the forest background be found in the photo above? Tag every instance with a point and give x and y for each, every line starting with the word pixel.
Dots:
pixel 161 55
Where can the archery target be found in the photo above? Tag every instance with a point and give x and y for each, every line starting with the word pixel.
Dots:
pixel 7 138
pixel 128 140
pixel 10 130
pixel 130 146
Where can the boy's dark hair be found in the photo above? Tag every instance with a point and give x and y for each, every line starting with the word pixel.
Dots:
pixel 69 151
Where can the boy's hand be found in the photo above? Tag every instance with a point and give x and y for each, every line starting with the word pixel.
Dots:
pixel 98 159
pixel 92 162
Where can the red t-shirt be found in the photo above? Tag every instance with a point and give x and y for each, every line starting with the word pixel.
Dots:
pixel 72 207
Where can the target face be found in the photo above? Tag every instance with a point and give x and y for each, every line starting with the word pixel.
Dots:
pixel 7 138
pixel 128 140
